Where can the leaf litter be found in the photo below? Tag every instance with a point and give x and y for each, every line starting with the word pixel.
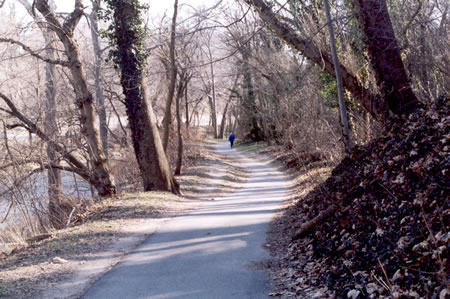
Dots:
pixel 389 234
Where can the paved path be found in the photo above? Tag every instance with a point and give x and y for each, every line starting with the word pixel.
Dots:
pixel 209 253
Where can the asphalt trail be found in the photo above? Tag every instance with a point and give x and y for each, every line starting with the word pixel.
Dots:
pixel 213 252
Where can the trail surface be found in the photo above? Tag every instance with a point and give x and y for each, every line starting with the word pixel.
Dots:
pixel 213 252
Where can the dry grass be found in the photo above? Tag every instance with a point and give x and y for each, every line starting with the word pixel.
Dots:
pixel 29 269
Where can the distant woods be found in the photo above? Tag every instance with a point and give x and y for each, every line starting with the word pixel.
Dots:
pixel 79 94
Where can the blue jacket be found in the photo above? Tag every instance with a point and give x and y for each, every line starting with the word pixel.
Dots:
pixel 231 138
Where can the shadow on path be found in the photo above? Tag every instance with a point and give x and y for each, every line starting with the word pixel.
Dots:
pixel 209 253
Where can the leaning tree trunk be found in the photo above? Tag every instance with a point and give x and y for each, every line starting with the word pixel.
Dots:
pixel 318 56
pixel 100 177
pixel 384 54
pixel 153 165
pixel 340 86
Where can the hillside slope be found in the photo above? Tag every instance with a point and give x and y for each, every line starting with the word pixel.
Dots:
pixel 379 226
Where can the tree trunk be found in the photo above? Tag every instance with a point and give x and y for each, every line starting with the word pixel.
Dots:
pixel 224 117
pixel 340 87
pixel 305 46
pixel 213 116
pixel 149 151
pixel 50 127
pixel 186 104
pixel 84 100
pixel 249 102
pixel 181 87
pixel 229 125
pixel 172 79
pixel 385 57
pixel 98 86
pixel 265 119
pixel 225 110
pixel 213 95
pixel 236 120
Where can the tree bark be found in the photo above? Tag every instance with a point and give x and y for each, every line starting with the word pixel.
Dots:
pixel 172 79
pixel 213 116
pixel 50 127
pixel 148 148
pixel 181 87
pixel 225 110
pixel 367 99
pixel 249 101
pixel 97 67
pixel 186 104
pixel 384 54
pixel 213 95
pixel 340 87
pixel 224 116
pixel 84 99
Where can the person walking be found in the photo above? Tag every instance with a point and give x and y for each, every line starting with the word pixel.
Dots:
pixel 231 139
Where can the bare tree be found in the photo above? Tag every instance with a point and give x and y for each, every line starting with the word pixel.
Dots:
pixel 318 56
pixel 95 171
pixel 50 126
pixel 101 176
pixel 154 167
pixel 210 83
pixel 375 22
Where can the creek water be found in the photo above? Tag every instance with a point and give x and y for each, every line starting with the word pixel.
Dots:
pixel 32 196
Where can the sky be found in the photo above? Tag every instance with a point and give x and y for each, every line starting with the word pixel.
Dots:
pixel 157 7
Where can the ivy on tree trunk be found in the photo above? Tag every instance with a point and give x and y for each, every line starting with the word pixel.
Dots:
pixel 127 36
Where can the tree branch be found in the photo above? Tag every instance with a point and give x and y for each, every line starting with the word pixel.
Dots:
pixel 42 168
pixel 13 126
pixel 18 163
pixel 43 7
pixel 20 180
pixel 73 19
pixel 33 53
pixel 321 58
pixel 82 170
